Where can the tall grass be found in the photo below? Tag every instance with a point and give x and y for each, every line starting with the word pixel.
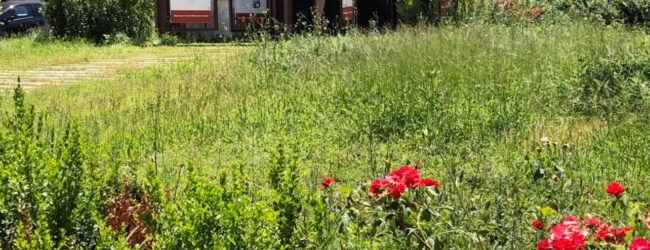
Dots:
pixel 468 102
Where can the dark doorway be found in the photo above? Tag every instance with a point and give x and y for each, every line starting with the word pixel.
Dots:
pixel 381 11
pixel 303 18
pixel 302 14
pixel 332 12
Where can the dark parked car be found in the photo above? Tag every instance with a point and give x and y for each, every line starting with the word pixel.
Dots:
pixel 16 16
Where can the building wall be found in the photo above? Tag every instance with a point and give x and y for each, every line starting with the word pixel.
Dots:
pixel 365 10
pixel 222 25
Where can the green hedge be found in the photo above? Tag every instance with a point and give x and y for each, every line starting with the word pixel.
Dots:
pixel 101 20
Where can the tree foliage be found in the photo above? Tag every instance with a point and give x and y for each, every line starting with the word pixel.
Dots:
pixel 101 20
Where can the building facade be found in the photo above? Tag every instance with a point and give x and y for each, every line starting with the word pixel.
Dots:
pixel 215 18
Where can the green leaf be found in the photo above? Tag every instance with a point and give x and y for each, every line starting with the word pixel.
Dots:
pixel 444 215
pixel 546 211
pixel 427 215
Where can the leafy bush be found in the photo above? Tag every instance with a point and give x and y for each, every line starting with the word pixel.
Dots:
pixel 411 11
pixel 288 194
pixel 119 38
pixel 169 39
pixel 41 181
pixel 631 12
pixel 97 19
pixel 217 213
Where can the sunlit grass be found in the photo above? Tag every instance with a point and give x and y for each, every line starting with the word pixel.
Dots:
pixel 355 106
pixel 28 53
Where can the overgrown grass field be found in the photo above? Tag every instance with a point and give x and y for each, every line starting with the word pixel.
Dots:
pixel 231 153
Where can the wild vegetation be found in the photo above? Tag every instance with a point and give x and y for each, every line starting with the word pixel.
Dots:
pixel 468 135
pixel 101 21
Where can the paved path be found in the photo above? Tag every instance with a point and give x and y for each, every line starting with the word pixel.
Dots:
pixel 103 69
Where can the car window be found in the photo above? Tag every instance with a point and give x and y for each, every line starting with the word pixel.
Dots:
pixel 22 11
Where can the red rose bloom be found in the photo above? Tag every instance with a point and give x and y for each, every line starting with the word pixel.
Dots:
pixel 613 235
pixel 543 245
pixel 377 186
pixel 538 225
pixel 606 234
pixel 620 233
pixel 397 190
pixel 615 189
pixel 429 182
pixel 570 221
pixel 567 235
pixel 408 175
pixel 610 235
pixel 593 222
pixel 327 181
pixel 398 181
pixel 639 244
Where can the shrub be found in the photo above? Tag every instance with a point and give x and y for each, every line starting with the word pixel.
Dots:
pixel 631 12
pixel 408 209
pixel 124 210
pixel 217 213
pixel 573 233
pixel 98 20
pixel 169 39
pixel 411 11
pixel 285 174
pixel 46 197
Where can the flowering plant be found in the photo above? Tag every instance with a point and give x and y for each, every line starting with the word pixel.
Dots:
pixel 615 189
pixel 571 233
pixel 406 199
pixel 326 183
pixel 398 181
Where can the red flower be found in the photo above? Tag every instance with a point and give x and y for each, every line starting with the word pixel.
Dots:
pixel 327 181
pixel 606 234
pixel 615 189
pixel 538 225
pixel 639 244
pixel 408 175
pixel 571 241
pixel 429 182
pixel 398 181
pixel 397 190
pixel 613 235
pixel 593 222
pixel 377 186
pixel 567 235
pixel 569 221
pixel 620 233
pixel 543 245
